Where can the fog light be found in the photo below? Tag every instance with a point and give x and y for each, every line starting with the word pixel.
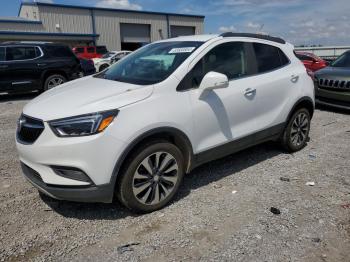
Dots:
pixel 72 173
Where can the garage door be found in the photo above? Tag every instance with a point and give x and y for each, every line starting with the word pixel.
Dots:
pixel 181 30
pixel 135 33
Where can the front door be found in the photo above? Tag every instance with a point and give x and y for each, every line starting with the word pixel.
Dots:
pixel 227 114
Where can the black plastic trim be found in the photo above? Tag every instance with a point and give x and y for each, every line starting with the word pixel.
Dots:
pixel 258 36
pixel 101 193
pixel 161 130
pixel 234 146
pixel 63 170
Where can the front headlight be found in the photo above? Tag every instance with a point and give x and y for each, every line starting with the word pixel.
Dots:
pixel 83 125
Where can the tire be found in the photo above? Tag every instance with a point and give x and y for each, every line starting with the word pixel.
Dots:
pixel 103 67
pixel 137 187
pixel 296 133
pixel 53 81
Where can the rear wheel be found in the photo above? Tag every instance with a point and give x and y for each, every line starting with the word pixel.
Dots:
pixel 152 178
pixel 296 134
pixel 53 81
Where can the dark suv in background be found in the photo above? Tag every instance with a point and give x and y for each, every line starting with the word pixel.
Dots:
pixel 332 84
pixel 30 66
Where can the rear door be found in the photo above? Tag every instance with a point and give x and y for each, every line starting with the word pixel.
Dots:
pixel 274 85
pixel 24 70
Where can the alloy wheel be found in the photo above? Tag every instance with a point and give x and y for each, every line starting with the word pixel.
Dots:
pixel 155 178
pixel 299 130
pixel 55 82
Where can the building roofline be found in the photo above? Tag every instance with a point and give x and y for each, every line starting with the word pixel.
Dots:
pixel 20 21
pixel 105 9
pixel 47 34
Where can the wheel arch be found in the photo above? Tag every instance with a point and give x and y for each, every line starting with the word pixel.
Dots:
pixel 170 134
pixel 303 102
pixel 49 73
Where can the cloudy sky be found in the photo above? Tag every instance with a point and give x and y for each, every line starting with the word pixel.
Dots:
pixel 325 22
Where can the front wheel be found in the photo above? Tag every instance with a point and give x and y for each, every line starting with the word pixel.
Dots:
pixel 296 134
pixel 152 178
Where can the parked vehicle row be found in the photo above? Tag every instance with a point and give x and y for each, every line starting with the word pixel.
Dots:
pixel 89 52
pixel 108 59
pixel 133 130
pixel 311 61
pixel 39 66
pixel 332 84
pixel 26 67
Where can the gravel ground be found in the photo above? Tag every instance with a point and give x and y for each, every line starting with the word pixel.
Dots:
pixel 222 212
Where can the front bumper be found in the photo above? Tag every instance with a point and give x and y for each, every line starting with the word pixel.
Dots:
pixel 334 98
pixel 93 193
pixel 95 155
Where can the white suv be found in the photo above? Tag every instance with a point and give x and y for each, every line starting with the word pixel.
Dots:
pixel 135 129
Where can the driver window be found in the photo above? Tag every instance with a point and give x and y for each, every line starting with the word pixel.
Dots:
pixel 228 58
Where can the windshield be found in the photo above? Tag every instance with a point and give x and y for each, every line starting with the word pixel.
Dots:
pixel 107 55
pixel 342 61
pixel 151 64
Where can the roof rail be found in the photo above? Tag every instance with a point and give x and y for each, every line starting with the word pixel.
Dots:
pixel 259 36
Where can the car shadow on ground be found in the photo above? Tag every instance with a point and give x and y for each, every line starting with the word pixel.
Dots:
pixel 18 97
pixel 199 177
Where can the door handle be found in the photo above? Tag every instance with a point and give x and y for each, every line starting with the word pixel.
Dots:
pixel 294 78
pixel 4 66
pixel 249 91
pixel 41 64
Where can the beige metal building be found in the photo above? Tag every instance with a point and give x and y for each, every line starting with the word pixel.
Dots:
pixel 79 25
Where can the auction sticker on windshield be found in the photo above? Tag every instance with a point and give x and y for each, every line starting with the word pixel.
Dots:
pixel 181 50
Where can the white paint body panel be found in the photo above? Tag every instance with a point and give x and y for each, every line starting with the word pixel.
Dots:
pixel 207 118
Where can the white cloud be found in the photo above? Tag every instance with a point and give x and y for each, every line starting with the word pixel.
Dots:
pixel 227 29
pixel 43 1
pixel 122 4
pixel 253 25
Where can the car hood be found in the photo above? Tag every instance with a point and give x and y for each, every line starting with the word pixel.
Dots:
pixel 83 96
pixel 333 73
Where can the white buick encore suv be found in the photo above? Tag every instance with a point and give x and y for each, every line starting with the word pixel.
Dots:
pixel 134 130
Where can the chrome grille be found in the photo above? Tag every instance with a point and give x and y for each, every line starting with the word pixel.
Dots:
pixel 334 84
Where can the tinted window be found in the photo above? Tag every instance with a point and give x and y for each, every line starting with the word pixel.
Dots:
pixel 342 61
pixel 228 59
pixel 90 49
pixel 304 57
pixel 59 51
pixel 2 53
pixel 268 57
pixel 150 64
pixel 20 53
pixel 101 50
pixel 79 50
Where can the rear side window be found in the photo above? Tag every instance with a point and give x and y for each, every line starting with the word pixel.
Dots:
pixel 79 50
pixel 90 50
pixel 269 57
pixel 59 51
pixel 101 50
pixel 304 57
pixel 21 53
pixel 2 53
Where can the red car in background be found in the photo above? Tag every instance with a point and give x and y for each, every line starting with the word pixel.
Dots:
pixel 89 52
pixel 312 62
